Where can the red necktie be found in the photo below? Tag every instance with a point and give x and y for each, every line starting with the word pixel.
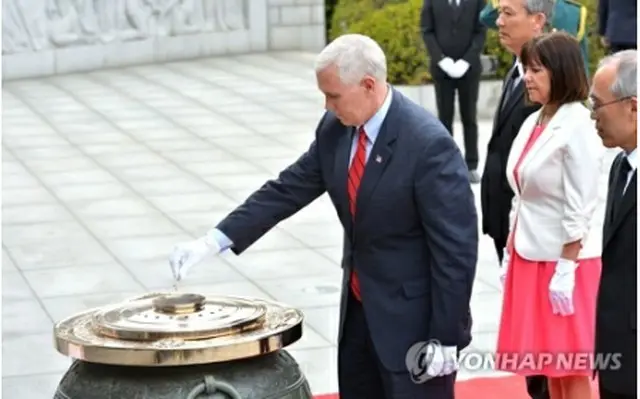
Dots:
pixel 355 176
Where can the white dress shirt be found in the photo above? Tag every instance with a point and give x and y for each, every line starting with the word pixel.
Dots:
pixel 632 158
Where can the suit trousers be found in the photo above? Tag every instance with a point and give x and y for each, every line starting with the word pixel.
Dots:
pixel 467 88
pixel 362 375
pixel 537 387
pixel 606 394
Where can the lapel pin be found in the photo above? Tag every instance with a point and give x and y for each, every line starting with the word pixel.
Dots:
pixel 378 159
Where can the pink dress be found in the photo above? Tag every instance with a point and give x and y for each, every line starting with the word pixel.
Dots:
pixel 531 339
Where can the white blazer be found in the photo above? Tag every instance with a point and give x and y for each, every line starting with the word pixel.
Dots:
pixel 563 185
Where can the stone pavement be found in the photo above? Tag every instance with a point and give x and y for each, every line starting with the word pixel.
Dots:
pixel 103 172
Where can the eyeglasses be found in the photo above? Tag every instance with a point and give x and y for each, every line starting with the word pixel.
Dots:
pixel 593 107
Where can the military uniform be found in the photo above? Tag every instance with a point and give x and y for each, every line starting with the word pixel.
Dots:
pixel 568 15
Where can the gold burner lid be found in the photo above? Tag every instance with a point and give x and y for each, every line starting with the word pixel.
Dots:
pixel 188 316
pixel 170 329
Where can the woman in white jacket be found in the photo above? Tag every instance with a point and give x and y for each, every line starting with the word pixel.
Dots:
pixel 552 261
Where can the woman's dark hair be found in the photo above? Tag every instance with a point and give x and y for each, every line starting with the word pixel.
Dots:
pixel 559 53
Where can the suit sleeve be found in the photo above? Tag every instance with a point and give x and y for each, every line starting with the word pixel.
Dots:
pixel 603 15
pixel 479 37
pixel 428 31
pixel 583 159
pixel 295 187
pixel 448 213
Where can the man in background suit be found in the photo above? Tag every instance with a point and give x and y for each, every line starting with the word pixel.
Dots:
pixel 614 107
pixel 454 37
pixel 617 24
pixel 401 191
pixel 568 15
pixel 518 22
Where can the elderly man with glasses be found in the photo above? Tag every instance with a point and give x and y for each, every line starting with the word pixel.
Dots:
pixel 614 106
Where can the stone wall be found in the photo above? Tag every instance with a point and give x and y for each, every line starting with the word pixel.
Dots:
pixel 296 24
pixel 46 37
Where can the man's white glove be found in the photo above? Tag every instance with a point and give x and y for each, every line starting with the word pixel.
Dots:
pixel 443 359
pixel 446 64
pixel 459 68
pixel 504 266
pixel 187 254
pixel 561 287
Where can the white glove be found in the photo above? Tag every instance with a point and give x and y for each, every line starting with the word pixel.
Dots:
pixel 443 359
pixel 446 64
pixel 187 254
pixel 561 287
pixel 504 266
pixel 459 68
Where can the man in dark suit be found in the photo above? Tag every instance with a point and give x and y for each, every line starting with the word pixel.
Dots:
pixel 617 24
pixel 614 107
pixel 454 37
pixel 402 193
pixel 518 22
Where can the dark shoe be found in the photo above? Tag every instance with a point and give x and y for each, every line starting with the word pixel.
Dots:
pixel 474 177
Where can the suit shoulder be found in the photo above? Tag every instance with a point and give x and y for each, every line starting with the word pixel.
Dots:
pixel 328 124
pixel 421 123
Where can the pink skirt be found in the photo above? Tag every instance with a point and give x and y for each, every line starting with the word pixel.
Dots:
pixel 534 341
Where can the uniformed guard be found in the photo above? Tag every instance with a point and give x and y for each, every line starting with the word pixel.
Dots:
pixel 568 15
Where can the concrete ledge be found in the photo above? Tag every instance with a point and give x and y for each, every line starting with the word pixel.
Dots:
pixel 488 97
pixel 67 37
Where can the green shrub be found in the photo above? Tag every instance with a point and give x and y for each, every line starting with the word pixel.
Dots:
pixel 395 25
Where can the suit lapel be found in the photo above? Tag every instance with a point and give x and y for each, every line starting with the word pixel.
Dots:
pixel 518 145
pixel 456 9
pixel 608 216
pixel 547 135
pixel 503 93
pixel 379 158
pixel 342 172
pixel 516 96
pixel 629 200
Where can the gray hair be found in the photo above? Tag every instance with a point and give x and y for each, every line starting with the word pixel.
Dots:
pixel 544 7
pixel 625 83
pixel 355 56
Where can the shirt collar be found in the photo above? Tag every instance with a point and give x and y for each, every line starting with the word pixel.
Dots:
pixel 518 65
pixel 632 158
pixel 372 126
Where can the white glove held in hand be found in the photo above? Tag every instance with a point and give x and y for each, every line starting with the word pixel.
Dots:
pixel 446 64
pixel 459 68
pixel 444 360
pixel 561 287
pixel 187 254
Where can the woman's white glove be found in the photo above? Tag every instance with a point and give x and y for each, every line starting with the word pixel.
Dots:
pixel 561 287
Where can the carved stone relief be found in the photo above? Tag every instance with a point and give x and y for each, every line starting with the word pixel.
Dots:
pixel 33 25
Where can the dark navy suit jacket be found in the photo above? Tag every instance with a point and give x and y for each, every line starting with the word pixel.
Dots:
pixel 617 21
pixel 414 240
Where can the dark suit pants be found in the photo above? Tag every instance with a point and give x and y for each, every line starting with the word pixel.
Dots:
pixel 536 384
pixel 361 374
pixel 467 88
pixel 606 394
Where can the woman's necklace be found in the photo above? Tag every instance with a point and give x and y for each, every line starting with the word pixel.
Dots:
pixel 544 116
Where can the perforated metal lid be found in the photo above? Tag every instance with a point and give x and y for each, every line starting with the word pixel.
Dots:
pixel 178 329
